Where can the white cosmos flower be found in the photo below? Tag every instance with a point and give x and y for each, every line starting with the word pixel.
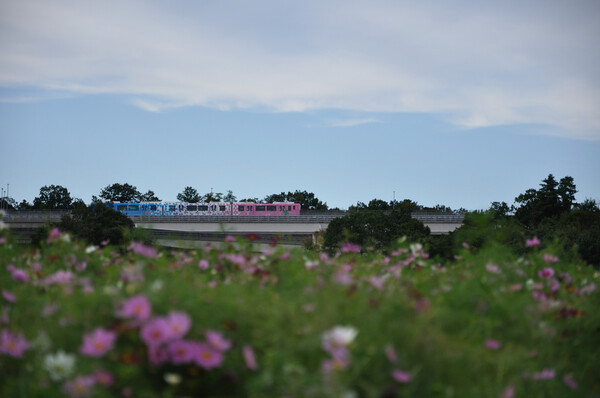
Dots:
pixel 340 336
pixel 59 365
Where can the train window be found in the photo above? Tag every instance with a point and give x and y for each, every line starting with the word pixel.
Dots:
pixel 221 208
pixel 289 207
pixel 240 208
pixel 260 208
pixel 121 207
pixel 172 207
pixel 153 207
pixel 203 208
pixel 134 207
pixel 192 208
pixel 271 208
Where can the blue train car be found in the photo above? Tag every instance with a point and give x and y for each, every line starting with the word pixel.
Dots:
pixel 139 209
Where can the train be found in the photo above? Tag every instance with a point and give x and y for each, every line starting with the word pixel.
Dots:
pixel 206 209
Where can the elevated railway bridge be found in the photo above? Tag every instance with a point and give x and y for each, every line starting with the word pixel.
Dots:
pixel 194 231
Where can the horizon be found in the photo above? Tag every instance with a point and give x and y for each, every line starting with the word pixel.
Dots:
pixel 456 104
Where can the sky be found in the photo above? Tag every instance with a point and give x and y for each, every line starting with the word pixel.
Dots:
pixel 459 103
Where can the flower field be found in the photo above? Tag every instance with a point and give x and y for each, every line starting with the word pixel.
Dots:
pixel 231 320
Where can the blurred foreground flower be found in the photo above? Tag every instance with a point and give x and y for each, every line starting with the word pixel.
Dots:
pixel 98 342
pixel 13 344
pixel 59 366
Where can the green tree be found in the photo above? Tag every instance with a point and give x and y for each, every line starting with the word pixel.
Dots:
pixel 374 227
pixel 211 197
pixel 24 205
pixel 53 197
pixel 229 197
pixel 307 200
pixel 97 223
pixel 189 195
pixel 149 196
pixel 121 193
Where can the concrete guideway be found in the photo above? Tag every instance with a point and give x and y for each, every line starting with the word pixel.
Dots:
pixel 293 230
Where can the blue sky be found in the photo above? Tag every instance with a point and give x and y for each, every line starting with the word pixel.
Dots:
pixel 457 103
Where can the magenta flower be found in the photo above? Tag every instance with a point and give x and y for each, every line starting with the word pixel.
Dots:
pixel 54 234
pixel 378 281
pixel 207 357
pixel 179 324
pixel 80 386
pixel 12 344
pixel 492 268
pixel 98 342
pixel 143 250
pixel 8 296
pixel 156 332
pixel 203 265
pixel 509 392
pixel 546 273
pixel 350 248
pixel 570 382
pixel 104 378
pixel 545 374
pixel 532 242
pixel 334 364
pixel 20 275
pixel 136 306
pixel 217 341
pixel 493 344
pixel 157 354
pixel 249 357
pixel 390 353
pixel 59 277
pixel 181 351
pixel 401 376
pixel 549 258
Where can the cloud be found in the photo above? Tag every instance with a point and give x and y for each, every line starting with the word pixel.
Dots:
pixel 479 65
pixel 352 122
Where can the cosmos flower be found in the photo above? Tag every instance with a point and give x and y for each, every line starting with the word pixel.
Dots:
pixel 136 306
pixel 156 331
pixel 546 273
pixel 249 357
pixel 532 242
pixel 401 376
pixel 60 365
pixel 80 386
pixel 493 344
pixel 207 357
pixel 179 324
pixel 13 344
pixel 181 351
pixel 217 341
pixel 98 342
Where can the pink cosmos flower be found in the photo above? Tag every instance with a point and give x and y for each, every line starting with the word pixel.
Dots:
pixel 8 296
pixel 156 331
pixel 59 277
pixel 570 382
pixel 104 378
pixel 203 265
pixel 550 258
pixel 207 357
pixel 532 242
pixel 143 250
pixel 20 275
pixel 390 353
pixel 98 342
pixel 217 341
pixel 350 248
pixel 492 268
pixel 249 357
pixel 229 238
pixel 545 374
pixel 2 240
pixel 157 354
pixel 54 234
pixel 334 364
pixel 509 392
pixel 401 376
pixel 80 386
pixel 546 273
pixel 12 344
pixel 179 324
pixel 181 351
pixel 493 344
pixel 136 306
pixel 378 281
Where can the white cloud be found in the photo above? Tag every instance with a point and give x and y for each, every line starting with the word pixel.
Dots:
pixel 497 63
pixel 352 122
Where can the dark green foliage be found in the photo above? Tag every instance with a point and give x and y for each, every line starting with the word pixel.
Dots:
pixel 121 193
pixel 189 195
pixel 150 196
pixel 53 197
pixel 377 228
pixel 581 228
pixel 307 200
pixel 97 223
pixel 550 201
